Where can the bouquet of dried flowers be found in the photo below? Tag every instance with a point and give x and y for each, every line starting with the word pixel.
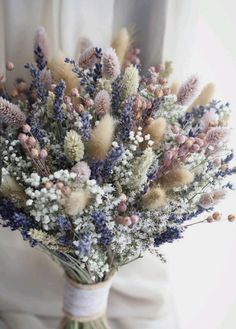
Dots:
pixel 100 164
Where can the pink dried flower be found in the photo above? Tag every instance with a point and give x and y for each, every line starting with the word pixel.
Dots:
pixel 26 128
pixel 43 154
pixel 10 66
pixel 183 150
pixel 216 135
pixel 89 102
pixel 11 114
pixel 195 148
pixel 110 64
pixel 34 153
pixel 122 206
pixel 209 119
pixel 31 141
pixel 83 172
pixel 88 58
pixel 180 139
pixel 187 91
pixel 102 102
pixel 209 200
pixel 134 219
pixel 218 195
pixel 23 138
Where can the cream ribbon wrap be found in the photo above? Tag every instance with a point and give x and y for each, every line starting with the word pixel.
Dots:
pixel 85 303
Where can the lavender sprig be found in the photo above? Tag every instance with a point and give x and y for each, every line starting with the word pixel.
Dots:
pixel 126 119
pixel 58 102
pixel 36 83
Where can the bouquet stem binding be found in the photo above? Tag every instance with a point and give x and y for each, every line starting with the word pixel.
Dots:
pixel 85 305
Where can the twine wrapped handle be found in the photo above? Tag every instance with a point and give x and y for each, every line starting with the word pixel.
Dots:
pixel 84 303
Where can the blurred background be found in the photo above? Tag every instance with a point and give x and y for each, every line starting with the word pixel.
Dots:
pixel 202 265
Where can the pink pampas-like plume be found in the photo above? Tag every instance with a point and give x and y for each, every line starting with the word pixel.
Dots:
pixel 110 64
pixel 102 102
pixel 88 58
pixel 11 114
pixel 187 91
pixel 216 135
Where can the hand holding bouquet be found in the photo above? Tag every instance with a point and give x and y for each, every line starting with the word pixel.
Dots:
pixel 100 165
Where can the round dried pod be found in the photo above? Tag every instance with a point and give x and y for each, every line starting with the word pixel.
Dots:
pixel 210 219
pixel 10 66
pixel 216 215
pixel 231 218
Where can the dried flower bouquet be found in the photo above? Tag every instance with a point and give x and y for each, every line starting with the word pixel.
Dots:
pixel 101 164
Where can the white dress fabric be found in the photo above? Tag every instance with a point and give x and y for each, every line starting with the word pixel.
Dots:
pixel 31 285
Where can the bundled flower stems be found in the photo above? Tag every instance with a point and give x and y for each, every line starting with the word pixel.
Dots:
pixel 101 163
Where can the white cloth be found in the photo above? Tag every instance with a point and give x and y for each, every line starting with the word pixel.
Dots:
pixel 31 290
pixel 31 285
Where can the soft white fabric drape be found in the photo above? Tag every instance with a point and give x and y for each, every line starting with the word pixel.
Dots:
pixel 31 285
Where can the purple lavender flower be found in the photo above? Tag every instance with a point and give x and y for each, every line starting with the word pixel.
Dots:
pixel 116 94
pixel 171 234
pixel 37 83
pixel 126 119
pixel 96 171
pixel 64 223
pixel 36 130
pixel 84 245
pixel 65 241
pixel 101 170
pixel 100 222
pixel 114 156
pixel 16 219
pixel 59 96
pixel 85 126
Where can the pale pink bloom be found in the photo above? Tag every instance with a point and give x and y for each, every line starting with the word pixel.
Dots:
pixel 210 118
pixel 122 206
pixel 83 172
pixel 88 58
pixel 216 135
pixel 102 102
pixel 187 91
pixel 10 66
pixel 110 64
pixel 209 200
pixel 11 114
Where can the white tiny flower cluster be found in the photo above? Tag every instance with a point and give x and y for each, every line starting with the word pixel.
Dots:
pixel 170 110
pixel 62 175
pixel 13 162
pixel 44 204
pixel 124 170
